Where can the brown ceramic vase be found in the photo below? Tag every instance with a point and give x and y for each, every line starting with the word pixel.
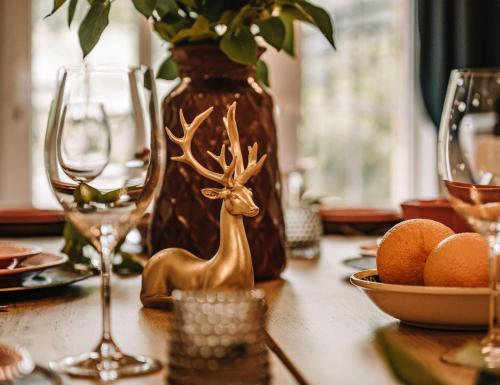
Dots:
pixel 182 216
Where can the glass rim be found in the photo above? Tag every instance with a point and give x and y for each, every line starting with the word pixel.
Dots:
pixel 104 68
pixel 477 71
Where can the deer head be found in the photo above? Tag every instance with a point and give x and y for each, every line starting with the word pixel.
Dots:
pixel 237 198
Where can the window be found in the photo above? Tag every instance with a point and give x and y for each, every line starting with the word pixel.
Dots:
pixel 54 45
pixel 352 98
pixel 351 105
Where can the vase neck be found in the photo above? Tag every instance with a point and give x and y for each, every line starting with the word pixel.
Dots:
pixel 205 61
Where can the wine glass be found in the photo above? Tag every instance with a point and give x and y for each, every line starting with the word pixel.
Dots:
pixel 469 163
pixel 104 157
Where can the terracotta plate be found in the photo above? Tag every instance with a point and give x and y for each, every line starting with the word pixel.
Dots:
pixel 359 215
pixel 427 306
pixel 10 250
pixel 358 221
pixel 36 263
pixel 30 222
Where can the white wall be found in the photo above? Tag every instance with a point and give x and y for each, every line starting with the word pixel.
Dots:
pixel 15 106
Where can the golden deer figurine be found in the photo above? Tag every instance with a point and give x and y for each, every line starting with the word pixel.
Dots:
pixel 231 267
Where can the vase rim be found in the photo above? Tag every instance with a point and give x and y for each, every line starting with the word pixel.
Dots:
pixel 206 60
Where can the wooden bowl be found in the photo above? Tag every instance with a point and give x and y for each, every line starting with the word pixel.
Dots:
pixel 439 210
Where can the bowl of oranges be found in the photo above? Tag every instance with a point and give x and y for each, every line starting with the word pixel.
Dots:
pixel 429 276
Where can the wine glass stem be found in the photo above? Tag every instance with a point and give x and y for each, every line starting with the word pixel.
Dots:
pixel 491 343
pixel 106 345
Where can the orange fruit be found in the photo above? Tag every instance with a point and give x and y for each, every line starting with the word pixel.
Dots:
pixel 459 261
pixel 404 249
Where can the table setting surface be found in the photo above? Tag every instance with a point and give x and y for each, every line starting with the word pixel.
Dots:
pixel 323 324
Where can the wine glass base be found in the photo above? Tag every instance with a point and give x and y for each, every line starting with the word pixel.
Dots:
pixel 93 365
pixel 469 355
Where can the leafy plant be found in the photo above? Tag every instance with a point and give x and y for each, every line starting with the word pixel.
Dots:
pixel 236 26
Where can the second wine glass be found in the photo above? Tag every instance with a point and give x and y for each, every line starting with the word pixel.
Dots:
pixel 469 161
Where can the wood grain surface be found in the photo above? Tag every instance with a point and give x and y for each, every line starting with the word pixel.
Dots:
pixel 324 325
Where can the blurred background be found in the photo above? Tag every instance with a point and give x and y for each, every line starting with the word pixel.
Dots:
pixel 354 118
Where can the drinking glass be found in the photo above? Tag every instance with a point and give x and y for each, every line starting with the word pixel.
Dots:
pixel 469 162
pixel 104 157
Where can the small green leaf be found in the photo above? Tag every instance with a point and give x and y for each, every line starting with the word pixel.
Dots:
pixel 126 264
pixel 70 233
pixel 168 70
pixel 189 3
pixel 92 26
pixel 200 30
pixel 146 7
pixel 289 41
pixel 321 19
pixel 55 7
pixel 71 11
pixel 168 10
pixel 240 46
pixel 262 73
pixel 273 31
pixel 296 11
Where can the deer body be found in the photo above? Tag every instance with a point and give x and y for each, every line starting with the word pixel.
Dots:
pixel 231 267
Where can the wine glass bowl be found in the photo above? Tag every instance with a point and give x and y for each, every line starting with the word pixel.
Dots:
pixel 84 143
pixel 104 157
pixel 469 165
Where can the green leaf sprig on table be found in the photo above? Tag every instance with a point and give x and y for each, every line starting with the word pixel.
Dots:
pixel 76 246
pixel 236 26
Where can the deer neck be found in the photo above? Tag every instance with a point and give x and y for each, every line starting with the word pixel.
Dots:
pixel 234 252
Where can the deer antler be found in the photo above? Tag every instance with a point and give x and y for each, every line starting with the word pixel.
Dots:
pixel 242 173
pixel 253 167
pixel 226 178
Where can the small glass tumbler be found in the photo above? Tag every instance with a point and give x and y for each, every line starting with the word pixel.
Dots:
pixel 218 338
pixel 303 230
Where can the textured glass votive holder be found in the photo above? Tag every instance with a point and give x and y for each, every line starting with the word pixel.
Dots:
pixel 218 338
pixel 303 230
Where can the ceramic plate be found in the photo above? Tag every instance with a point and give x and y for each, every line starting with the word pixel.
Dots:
pixel 10 250
pixel 53 277
pixel 363 262
pixel 426 306
pixel 357 221
pixel 30 222
pixel 35 263
pixel 11 254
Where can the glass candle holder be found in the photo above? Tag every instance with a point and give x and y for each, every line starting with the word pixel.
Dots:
pixel 303 230
pixel 218 338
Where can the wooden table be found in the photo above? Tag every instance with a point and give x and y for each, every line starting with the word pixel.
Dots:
pixel 323 324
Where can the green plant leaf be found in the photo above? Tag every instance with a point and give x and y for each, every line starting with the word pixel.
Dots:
pixel 273 31
pixel 289 41
pixel 146 7
pixel 126 264
pixel 189 3
pixel 321 19
pixel 240 46
pixel 57 4
pixel 200 30
pixel 168 70
pixel 93 24
pixel 296 11
pixel 71 11
pixel 168 10
pixel 262 73
pixel 213 9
